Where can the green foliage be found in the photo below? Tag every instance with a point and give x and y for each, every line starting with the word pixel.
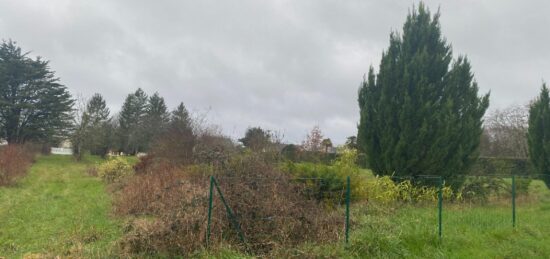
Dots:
pixel 538 135
pixel 131 122
pixel 156 120
pixel 114 170
pixel 482 188
pixel 256 138
pixel 99 136
pixel 501 166
pixel 325 182
pixel 176 143
pixel 420 114
pixel 93 131
pixel 329 181
pixel 34 106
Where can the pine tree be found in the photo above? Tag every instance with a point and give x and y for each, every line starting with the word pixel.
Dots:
pixel 157 117
pixel 176 143
pixel 34 106
pixel 538 135
pixel 131 133
pixel 420 115
pixel 180 119
pixel 98 132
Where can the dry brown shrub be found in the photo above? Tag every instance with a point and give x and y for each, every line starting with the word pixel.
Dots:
pixel 268 206
pixel 15 161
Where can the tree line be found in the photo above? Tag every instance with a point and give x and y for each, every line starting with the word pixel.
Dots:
pixel 136 128
pixel 420 113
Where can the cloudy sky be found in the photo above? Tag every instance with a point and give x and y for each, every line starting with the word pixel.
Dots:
pixel 282 65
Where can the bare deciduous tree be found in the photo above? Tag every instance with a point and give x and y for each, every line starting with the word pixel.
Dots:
pixel 313 141
pixel 505 132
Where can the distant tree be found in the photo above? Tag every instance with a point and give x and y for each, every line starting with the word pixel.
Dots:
pixel 80 125
pixel 93 128
pixel 351 142
pixel 156 119
pixel 313 141
pixel 505 133
pixel 539 134
pixel 256 138
pixel 99 136
pixel 420 114
pixel 34 106
pixel 327 144
pixel 131 130
pixel 177 142
pixel 291 152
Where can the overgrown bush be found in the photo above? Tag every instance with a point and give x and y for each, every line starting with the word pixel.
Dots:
pixel 114 170
pixel 481 188
pixel 328 182
pixel 15 161
pixel 269 207
pixel 324 181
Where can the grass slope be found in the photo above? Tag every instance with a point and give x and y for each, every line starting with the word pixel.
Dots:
pixel 57 210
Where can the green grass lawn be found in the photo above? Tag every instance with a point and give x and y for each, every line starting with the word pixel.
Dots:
pixel 57 210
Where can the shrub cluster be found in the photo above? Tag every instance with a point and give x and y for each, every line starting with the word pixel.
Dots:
pixel 15 160
pixel 114 170
pixel 269 208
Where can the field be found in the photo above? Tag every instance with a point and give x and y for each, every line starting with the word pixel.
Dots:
pixel 57 209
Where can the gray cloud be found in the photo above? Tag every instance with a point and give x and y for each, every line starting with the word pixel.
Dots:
pixel 283 65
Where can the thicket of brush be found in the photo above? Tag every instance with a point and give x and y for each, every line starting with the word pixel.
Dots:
pixel 15 161
pixel 167 207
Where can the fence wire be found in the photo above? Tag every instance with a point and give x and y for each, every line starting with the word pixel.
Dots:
pixel 261 212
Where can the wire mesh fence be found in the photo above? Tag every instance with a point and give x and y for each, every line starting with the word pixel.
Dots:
pixel 260 212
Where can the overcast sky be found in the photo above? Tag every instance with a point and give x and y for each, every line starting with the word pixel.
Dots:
pixel 281 65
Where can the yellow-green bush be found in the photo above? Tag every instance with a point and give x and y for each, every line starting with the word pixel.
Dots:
pixel 323 181
pixel 384 189
pixel 114 169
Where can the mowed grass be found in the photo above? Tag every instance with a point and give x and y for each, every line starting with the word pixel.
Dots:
pixel 57 210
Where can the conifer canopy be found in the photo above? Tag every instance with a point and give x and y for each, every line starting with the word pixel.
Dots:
pixel 420 114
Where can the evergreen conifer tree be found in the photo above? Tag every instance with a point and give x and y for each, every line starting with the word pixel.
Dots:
pixel 98 132
pixel 34 106
pixel 131 133
pixel 420 114
pixel 157 117
pixel 538 135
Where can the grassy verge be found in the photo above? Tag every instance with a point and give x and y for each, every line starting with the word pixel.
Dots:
pixel 409 231
pixel 57 210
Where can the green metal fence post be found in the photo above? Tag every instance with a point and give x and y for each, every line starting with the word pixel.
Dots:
pixel 210 198
pixel 348 194
pixel 513 201
pixel 229 212
pixel 440 206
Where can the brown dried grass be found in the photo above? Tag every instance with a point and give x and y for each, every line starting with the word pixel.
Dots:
pixel 269 207
pixel 15 161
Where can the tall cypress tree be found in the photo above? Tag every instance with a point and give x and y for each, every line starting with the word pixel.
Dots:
pixel 538 135
pixel 421 113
